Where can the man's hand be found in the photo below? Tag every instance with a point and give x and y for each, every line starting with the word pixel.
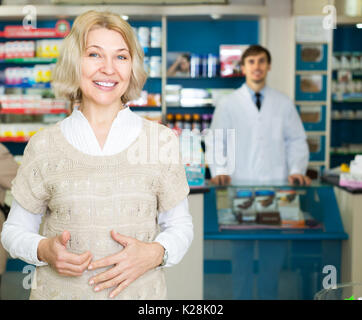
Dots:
pixel 54 252
pixel 299 179
pixel 133 261
pixel 221 180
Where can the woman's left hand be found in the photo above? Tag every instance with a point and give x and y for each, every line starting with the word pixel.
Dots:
pixel 134 260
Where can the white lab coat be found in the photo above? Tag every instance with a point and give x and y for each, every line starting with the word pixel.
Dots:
pixel 269 144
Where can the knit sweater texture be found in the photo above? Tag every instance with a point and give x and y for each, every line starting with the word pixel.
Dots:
pixel 91 195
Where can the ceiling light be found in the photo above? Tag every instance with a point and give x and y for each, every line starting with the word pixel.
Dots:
pixel 215 16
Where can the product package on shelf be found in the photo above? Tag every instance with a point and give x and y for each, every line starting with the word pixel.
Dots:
pixel 48 48
pixel 190 97
pixel 289 208
pixel 19 132
pixel 353 179
pixel 230 58
pixel 247 208
pixel 225 215
pixel 179 122
pixel 29 76
pixel 18 49
pixel 313 117
pixel 193 157
pixel 267 207
pixel 147 100
pixel 244 206
pixel 311 56
pixel 31 103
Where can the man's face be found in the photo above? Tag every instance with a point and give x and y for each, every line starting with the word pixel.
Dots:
pixel 256 68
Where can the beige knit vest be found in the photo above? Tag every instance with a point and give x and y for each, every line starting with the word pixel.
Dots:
pixel 91 195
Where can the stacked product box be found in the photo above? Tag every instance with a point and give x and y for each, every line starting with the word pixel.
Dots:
pixel 31 102
pixel 28 76
pixel 267 206
pixel 20 130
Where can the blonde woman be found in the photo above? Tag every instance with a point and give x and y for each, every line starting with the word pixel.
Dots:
pixel 112 215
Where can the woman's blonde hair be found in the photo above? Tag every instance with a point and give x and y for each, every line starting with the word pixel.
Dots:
pixel 67 72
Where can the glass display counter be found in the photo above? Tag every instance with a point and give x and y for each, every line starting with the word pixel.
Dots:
pixel 270 241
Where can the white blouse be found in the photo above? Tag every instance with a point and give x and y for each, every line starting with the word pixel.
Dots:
pixel 20 233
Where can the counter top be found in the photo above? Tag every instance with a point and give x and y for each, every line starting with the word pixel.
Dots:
pixel 202 189
pixel 325 181
pixel 265 184
pixel 334 180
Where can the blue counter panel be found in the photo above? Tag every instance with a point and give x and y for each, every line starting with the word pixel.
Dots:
pixel 273 264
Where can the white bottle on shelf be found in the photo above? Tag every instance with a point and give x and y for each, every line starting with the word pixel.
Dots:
pixel 156 38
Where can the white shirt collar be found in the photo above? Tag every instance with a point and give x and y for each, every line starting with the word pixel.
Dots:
pixel 124 130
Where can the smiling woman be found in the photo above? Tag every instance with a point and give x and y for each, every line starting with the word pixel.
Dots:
pixel 109 223
pixel 106 69
pixel 79 47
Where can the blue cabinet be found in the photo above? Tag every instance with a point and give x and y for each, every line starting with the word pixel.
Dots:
pixel 272 263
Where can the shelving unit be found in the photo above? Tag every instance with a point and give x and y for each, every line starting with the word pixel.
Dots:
pixel 194 22
pixel 312 90
pixel 346 123
pixel 17 113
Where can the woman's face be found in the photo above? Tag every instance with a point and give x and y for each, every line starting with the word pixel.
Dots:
pixel 106 67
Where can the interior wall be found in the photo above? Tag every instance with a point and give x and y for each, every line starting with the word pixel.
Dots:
pixel 280 42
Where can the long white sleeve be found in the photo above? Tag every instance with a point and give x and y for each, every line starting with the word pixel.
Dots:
pixel 176 232
pixel 216 141
pixel 297 150
pixel 20 234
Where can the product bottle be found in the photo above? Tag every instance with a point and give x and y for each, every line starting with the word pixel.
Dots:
pixel 196 123
pixel 204 121
pixel 195 66
pixel 170 120
pixel 203 72
pixel 178 121
pixel 187 121
pixel 211 66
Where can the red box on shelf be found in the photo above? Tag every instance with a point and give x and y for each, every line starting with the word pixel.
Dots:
pixel 230 56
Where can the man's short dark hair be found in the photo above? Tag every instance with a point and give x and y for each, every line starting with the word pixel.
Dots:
pixel 253 51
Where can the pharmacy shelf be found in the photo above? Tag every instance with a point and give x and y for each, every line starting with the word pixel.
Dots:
pixel 348 119
pixel 356 72
pixel 317 163
pixel 39 85
pixel 355 100
pixel 204 78
pixel 315 133
pixel 145 108
pixel 33 111
pixel 349 153
pixel 347 97
pixel 14 139
pixel 28 60
pixel 196 109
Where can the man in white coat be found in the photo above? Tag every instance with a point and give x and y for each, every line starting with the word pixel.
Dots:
pixel 270 142
pixel 269 145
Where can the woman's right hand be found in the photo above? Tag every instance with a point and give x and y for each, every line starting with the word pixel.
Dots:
pixel 54 252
